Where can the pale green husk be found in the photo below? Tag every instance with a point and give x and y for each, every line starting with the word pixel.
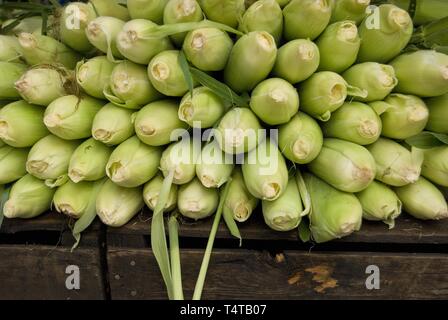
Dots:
pixel 354 10
pixel 228 12
pixel 93 75
pixel 29 25
pixel 133 163
pixel 28 198
pixel 10 50
pixel 214 167
pixel 344 165
pixel 147 9
pixel 12 164
pixel 435 165
pixel 11 73
pixel 18 118
pixel 425 11
pixel 151 194
pixel 111 8
pixel 196 201
pixel 438 114
pixel 102 33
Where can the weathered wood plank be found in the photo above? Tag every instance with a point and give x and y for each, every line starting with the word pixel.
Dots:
pixel 39 272
pixel 247 274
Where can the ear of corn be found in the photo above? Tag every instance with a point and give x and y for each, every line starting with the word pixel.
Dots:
pixel 196 201
pixel 12 162
pixel 111 8
pixel 93 75
pixel 438 114
pixel 354 10
pixel 151 194
pixel 102 33
pixel 147 9
pixel 425 11
pixel 227 12
pixel 214 167
pixel 435 165
pixel 11 73
pixel 10 50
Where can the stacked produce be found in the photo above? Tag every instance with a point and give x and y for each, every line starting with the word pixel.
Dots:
pixel 310 110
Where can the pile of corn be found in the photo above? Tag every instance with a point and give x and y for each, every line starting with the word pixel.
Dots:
pixel 320 112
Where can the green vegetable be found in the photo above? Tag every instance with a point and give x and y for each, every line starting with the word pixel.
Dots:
pixel 117 205
pixel 214 167
pixel 151 194
pixel 275 101
pixel 422 73
pixel 28 198
pixel 202 109
pixel 380 203
pixel 130 87
pixel 135 43
pixel 178 11
pixel 383 37
pixel 334 214
pixel 377 79
pixel 102 33
pixel 238 131
pixel 338 46
pixel 71 117
pixel 426 10
pixel 228 12
pixel 12 164
pixel 423 200
pixel 111 8
pixel 147 9
pixel 155 124
pixel 18 118
pixel 403 116
pixel 438 114
pixel 300 140
pixel 265 172
pixel 355 122
pixel 251 60
pixel 354 10
pixel 29 25
pixel 208 48
pixel 306 19
pixel 166 74
pixel 396 165
pixel 133 163
pixel 93 75
pixel 344 165
pixel 88 162
pixel 196 201
pixel 297 60
pixel 435 165
pixel 112 125
pixel 11 73
pixel 10 50
pixel 49 159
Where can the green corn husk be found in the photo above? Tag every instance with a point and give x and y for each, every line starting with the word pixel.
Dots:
pixel 355 122
pixel 275 101
pixel 73 21
pixel 196 201
pixel 214 167
pixel 66 203
pixel 422 73
pixel 29 197
pixel 438 114
pixel 300 140
pixel 396 165
pixel 93 75
pixel 297 60
pixel 334 214
pixel 435 165
pixel 112 125
pixel 208 49
pixel 166 74
pixel 380 203
pixel 324 92
pixel 238 131
pixel 426 10
pixel 10 50
pixel 117 205
pixel 134 42
pixel 11 73
pixel 28 25
pixel 44 84
pixel 377 79
pixel 251 60
pixel 12 164
pixel 49 159
pixel 156 123
pixel 263 15
pixel 354 10
pixel 202 109
pixel 423 200
pixel 111 8
pixel 38 49
pixel 178 11
pixel 88 162
pixel 403 116
pixel 181 158
pixel 151 194
pixel 384 41
pixel 344 165
pixel 227 12
pixel 147 9
pixel 21 124
pixel 130 87
pixel 133 163
pixel 265 172
pixel 239 203
pixel 102 33
pixel 338 46
pixel 282 3
pixel 71 117
pixel 306 19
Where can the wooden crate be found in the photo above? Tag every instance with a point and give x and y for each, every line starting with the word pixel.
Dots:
pixel 35 260
pixel 412 261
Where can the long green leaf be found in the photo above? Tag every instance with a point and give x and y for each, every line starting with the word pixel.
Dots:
pixel 185 67
pixel 427 140
pixel 173 231
pixel 232 226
